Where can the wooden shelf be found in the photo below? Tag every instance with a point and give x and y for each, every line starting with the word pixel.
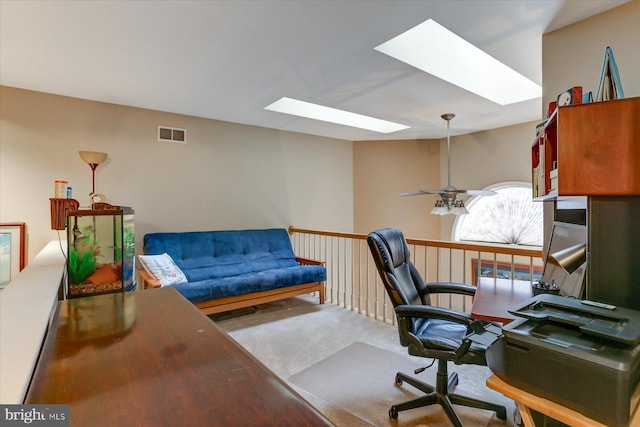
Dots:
pixel 595 148
pixel 544 157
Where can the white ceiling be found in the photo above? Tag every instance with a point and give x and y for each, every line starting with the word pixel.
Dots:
pixel 227 60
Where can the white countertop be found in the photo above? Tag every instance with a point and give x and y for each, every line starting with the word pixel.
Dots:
pixel 26 307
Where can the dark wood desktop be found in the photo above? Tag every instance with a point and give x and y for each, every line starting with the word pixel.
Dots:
pixel 151 358
pixel 494 297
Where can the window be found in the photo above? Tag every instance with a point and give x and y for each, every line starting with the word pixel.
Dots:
pixel 509 217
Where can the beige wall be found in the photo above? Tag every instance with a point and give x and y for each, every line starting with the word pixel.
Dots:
pixel 236 176
pixel 384 169
pixel 572 56
pixel 227 176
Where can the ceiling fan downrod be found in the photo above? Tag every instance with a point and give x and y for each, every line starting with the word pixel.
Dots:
pixel 448 117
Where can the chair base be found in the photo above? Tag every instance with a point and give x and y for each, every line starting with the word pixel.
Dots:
pixel 440 394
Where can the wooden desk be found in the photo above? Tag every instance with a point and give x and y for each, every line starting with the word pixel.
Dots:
pixel 151 358
pixel 494 297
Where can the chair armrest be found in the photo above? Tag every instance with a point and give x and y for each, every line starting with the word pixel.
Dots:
pixel 450 288
pixel 308 261
pixel 432 312
pixel 148 281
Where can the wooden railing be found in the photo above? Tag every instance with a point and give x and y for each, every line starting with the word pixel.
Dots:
pixel 353 281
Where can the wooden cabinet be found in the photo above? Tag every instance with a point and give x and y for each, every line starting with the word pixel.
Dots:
pixel 544 159
pixel 593 150
pixel 589 150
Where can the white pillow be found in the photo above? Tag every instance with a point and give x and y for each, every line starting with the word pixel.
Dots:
pixel 163 269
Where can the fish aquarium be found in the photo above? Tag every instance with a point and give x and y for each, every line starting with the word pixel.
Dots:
pixel 100 251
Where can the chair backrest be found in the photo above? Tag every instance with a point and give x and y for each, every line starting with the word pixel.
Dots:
pixel 400 277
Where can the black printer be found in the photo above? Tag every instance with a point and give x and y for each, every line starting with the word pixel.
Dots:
pixel 580 354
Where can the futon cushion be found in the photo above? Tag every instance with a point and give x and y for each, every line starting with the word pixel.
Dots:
pixel 207 289
pixel 225 263
pixel 196 249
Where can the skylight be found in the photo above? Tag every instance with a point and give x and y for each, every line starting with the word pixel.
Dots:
pixel 327 114
pixel 432 48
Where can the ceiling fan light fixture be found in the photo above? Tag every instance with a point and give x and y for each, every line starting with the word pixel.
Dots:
pixel 445 207
pixel 440 208
pixel 458 208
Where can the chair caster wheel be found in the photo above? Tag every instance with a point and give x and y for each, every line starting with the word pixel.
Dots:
pixel 398 381
pixel 393 413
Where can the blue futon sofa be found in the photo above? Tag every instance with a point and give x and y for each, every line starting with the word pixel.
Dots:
pixel 225 270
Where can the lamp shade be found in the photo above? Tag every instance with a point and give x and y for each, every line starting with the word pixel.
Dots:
pixel 459 210
pixel 440 208
pixel 570 258
pixel 93 157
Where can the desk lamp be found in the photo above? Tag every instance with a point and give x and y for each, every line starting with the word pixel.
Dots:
pixel 571 258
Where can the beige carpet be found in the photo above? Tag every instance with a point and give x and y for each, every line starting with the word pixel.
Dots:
pixel 360 380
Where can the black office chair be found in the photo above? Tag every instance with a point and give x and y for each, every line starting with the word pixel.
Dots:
pixel 426 330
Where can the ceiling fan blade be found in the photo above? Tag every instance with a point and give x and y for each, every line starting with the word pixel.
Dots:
pixel 451 190
pixel 478 192
pixel 421 192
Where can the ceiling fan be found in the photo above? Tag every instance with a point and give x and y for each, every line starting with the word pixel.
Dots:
pixel 448 202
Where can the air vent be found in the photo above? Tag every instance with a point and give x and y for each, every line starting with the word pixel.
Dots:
pixel 169 134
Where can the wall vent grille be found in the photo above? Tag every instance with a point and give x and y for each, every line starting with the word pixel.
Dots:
pixel 173 135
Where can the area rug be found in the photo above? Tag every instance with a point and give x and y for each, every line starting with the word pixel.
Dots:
pixel 360 380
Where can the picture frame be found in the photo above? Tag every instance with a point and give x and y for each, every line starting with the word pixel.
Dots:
pixel 502 270
pixel 12 251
